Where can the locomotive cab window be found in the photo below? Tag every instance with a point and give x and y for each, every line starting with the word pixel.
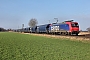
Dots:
pixel 74 25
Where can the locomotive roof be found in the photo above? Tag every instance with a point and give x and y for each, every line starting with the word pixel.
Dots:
pixel 43 24
pixel 69 21
pixel 58 23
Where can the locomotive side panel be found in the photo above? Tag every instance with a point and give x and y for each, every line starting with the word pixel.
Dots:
pixel 64 27
pixel 54 28
pixel 59 28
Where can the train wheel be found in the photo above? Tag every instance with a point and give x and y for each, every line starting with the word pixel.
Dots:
pixel 69 34
pixel 53 33
pixel 76 34
pixel 47 32
pixel 63 33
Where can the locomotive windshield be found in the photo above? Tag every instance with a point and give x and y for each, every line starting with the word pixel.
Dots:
pixel 74 25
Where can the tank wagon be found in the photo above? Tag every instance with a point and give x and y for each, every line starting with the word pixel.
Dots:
pixel 26 30
pixel 65 28
pixel 34 29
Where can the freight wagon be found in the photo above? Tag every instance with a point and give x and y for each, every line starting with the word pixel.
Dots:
pixel 26 30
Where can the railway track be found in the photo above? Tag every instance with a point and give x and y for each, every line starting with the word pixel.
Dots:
pixel 79 37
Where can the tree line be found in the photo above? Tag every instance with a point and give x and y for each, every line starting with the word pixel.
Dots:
pixel 2 29
pixel 88 29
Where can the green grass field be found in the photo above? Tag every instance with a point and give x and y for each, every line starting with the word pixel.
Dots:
pixel 16 46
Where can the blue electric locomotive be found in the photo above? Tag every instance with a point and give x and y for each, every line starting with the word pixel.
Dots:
pixel 59 28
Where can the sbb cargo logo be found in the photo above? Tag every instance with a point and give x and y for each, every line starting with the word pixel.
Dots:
pixel 54 28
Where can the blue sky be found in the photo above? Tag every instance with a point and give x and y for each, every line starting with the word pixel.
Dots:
pixel 14 13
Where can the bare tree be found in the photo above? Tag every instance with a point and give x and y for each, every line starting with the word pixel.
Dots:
pixel 88 29
pixel 33 22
